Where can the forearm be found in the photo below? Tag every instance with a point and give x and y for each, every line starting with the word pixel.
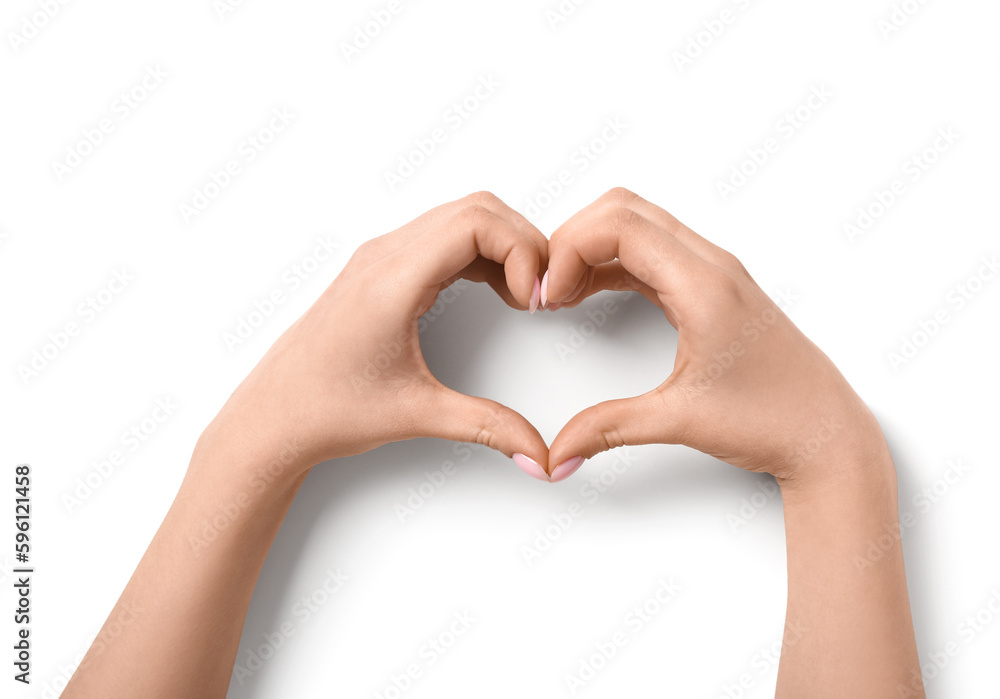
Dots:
pixel 848 627
pixel 176 627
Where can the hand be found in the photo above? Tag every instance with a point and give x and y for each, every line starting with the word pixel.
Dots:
pixel 747 386
pixel 349 375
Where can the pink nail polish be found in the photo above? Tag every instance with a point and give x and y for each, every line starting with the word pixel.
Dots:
pixel 566 469
pixel 531 467
pixel 545 289
pixel 535 293
pixel 554 306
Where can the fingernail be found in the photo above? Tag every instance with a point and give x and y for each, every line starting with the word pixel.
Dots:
pixel 531 467
pixel 545 289
pixel 566 469
pixel 554 306
pixel 535 292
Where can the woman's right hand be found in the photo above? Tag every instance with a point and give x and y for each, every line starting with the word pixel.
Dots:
pixel 747 386
pixel 349 375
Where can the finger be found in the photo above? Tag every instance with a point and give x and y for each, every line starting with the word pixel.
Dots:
pixel 705 249
pixel 601 233
pixel 611 276
pixel 461 418
pixel 517 219
pixel 584 282
pixel 443 216
pixel 498 207
pixel 471 231
pixel 655 417
pixel 387 243
pixel 487 271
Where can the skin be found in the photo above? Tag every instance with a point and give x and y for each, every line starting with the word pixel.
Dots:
pixel 348 376
pixel 750 389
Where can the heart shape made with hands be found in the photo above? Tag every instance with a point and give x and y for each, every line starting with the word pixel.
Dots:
pixel 746 386
pixel 731 344
pixel 601 348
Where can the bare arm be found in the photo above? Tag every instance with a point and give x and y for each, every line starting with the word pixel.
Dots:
pixel 749 388
pixel 345 378
pixel 848 626
pixel 176 627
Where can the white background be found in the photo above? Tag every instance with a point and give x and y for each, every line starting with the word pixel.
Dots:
pixel 672 513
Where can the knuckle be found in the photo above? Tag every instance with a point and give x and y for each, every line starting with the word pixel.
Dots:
pixel 605 433
pixel 726 289
pixel 611 438
pixel 473 215
pixel 365 253
pixel 483 198
pixel 557 235
pixel 494 422
pixel 620 196
pixel 732 263
pixel 487 438
pixel 624 220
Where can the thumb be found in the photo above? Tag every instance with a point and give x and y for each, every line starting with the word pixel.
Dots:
pixel 651 418
pixel 456 416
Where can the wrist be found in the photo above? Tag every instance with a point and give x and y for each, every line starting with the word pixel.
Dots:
pixel 248 459
pixel 858 466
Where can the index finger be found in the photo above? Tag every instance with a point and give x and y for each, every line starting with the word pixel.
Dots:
pixel 478 226
pixel 610 229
